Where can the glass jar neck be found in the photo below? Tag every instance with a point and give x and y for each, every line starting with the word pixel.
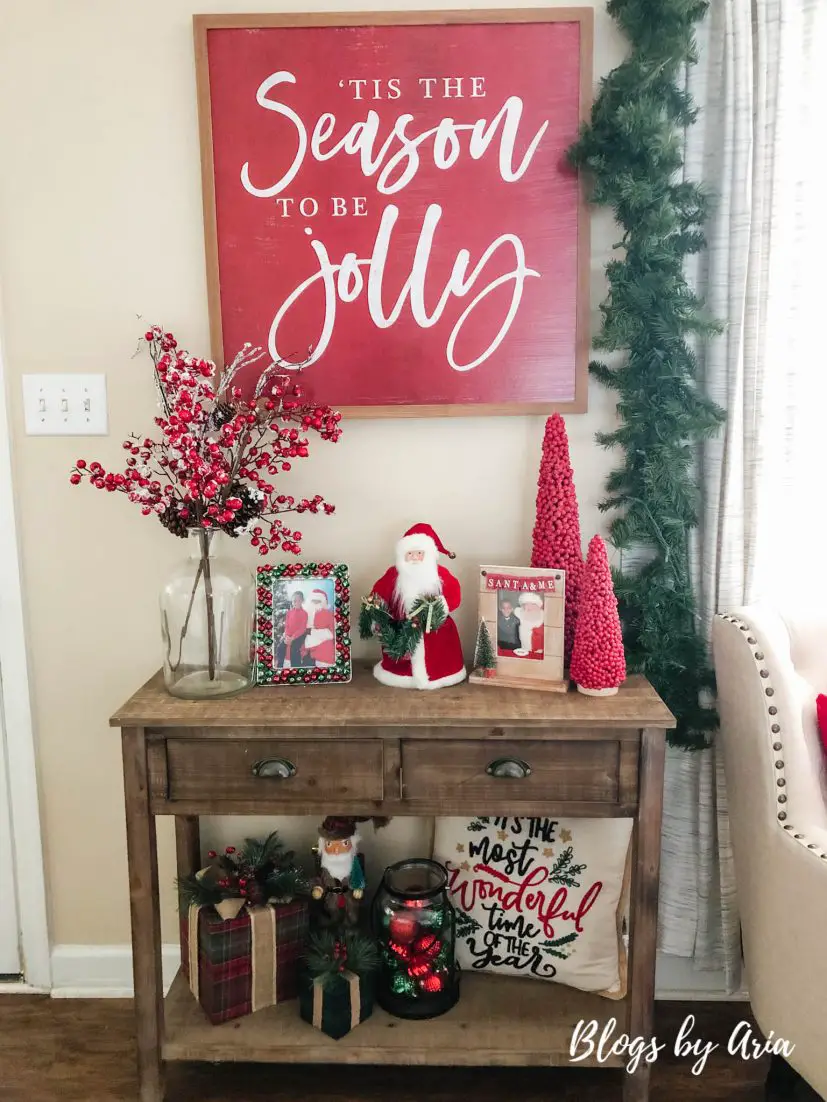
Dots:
pixel 200 541
pixel 417 880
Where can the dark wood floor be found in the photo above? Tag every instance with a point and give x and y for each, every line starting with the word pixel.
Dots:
pixel 83 1051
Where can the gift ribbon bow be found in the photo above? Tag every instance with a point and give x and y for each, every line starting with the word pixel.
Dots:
pixel 427 607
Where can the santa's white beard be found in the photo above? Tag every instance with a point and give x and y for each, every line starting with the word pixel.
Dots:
pixel 529 619
pixel 416 579
pixel 337 864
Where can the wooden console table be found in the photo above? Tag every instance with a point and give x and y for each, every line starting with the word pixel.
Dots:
pixel 418 753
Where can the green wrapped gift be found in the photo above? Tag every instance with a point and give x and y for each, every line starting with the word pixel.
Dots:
pixel 336 1005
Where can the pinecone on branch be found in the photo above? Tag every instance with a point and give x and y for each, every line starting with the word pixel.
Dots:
pixel 250 509
pixel 173 521
pixel 221 414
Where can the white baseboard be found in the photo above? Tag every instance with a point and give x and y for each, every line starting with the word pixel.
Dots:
pixel 677 980
pixel 102 971
pixel 105 972
pixel 19 987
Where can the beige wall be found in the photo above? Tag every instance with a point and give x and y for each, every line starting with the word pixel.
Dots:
pixel 100 220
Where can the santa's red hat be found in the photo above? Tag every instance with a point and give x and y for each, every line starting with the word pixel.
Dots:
pixel 319 593
pixel 422 537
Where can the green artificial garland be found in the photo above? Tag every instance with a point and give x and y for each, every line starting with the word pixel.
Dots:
pixel 400 638
pixel 632 150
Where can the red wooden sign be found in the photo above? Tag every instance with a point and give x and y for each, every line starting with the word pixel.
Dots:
pixel 391 205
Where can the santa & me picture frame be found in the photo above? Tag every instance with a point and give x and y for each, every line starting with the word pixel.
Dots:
pixel 521 627
pixel 301 634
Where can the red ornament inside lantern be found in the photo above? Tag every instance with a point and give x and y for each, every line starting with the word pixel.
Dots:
pixel 428 945
pixel 432 983
pixel 419 966
pixel 403 928
pixel 401 951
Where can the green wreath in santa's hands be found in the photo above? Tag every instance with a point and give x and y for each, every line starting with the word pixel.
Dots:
pixel 400 638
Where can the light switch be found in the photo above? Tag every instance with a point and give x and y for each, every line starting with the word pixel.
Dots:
pixel 65 405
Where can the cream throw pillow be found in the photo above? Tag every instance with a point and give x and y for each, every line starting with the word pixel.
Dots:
pixel 541 898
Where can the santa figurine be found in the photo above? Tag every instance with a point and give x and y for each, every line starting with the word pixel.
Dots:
pixel 340 884
pixel 530 615
pixel 320 641
pixel 436 659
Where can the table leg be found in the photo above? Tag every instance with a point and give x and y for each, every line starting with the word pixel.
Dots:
pixel 187 850
pixel 146 918
pixel 644 909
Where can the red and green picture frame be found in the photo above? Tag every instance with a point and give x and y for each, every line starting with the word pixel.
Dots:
pixel 302 626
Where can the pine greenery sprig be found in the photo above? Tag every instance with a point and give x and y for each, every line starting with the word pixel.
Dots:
pixel 466 924
pixel 284 885
pixel 257 852
pixel 553 947
pixel 398 638
pixel 564 871
pixel 192 892
pixel 328 954
pixel 632 150
pixel 261 871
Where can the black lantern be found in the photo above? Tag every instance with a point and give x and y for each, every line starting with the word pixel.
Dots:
pixel 415 926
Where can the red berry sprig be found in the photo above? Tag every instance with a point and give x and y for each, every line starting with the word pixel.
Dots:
pixel 220 452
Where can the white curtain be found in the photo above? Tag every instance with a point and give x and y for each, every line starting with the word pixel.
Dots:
pixel 760 148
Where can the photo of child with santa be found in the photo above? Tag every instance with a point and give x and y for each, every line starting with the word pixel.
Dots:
pixel 308 637
pixel 531 617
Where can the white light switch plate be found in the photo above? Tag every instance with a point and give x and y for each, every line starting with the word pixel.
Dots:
pixel 65 405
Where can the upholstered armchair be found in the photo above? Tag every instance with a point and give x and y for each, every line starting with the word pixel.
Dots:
pixel 770 668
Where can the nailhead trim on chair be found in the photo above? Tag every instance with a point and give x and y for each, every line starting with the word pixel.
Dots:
pixel 775 729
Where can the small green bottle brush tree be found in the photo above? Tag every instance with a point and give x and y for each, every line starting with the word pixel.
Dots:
pixel 485 657
pixel 631 150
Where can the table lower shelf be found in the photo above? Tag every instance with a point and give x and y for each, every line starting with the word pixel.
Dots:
pixel 499 1021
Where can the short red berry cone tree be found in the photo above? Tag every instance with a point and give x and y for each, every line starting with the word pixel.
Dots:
pixel 556 544
pixel 598 663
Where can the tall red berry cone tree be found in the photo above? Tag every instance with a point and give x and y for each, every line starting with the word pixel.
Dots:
pixel 598 662
pixel 556 544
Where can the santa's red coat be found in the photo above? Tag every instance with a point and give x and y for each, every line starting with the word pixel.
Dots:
pixel 438 660
pixel 324 652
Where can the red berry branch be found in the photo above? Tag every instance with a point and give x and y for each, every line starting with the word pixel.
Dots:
pixel 556 544
pixel 219 453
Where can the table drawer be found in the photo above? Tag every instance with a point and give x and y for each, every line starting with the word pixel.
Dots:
pixel 286 771
pixel 560 771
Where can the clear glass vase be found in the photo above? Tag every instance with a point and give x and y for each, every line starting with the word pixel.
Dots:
pixel 207 610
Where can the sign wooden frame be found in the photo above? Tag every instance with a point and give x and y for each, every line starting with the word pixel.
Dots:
pixel 203 24
pixel 520 670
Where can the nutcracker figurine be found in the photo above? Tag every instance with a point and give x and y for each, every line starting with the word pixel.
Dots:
pixel 340 883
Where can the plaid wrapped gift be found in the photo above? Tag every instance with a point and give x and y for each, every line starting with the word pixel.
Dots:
pixel 242 965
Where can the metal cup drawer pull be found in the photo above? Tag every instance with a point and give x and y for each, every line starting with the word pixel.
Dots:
pixel 279 769
pixel 514 768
